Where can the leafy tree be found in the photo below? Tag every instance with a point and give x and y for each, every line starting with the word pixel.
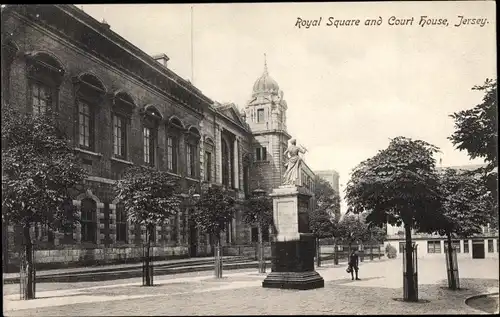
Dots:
pixel 40 175
pixel 371 234
pixel 351 230
pixel 214 211
pixel 322 220
pixel 258 210
pixel 399 186
pixel 150 199
pixel 476 131
pixel 465 199
pixel 391 251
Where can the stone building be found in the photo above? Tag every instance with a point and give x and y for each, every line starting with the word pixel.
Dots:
pixel 122 107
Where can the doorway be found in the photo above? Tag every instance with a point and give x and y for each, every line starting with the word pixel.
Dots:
pixel 478 249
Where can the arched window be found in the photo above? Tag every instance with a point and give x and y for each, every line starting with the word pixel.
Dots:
pixel 192 141
pixel 90 92
pixel 123 107
pixel 45 74
pixel 88 220
pixel 151 120
pixel 174 130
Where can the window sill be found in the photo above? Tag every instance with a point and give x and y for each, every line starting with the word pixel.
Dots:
pixel 262 162
pixel 121 161
pixel 173 174
pixel 88 152
pixel 192 179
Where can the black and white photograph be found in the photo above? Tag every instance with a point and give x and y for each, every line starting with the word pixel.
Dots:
pixel 281 158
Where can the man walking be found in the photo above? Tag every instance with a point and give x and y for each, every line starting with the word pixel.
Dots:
pixel 354 264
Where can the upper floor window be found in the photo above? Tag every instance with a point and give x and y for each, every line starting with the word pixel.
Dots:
pixel 208 166
pixel 148 142
pixel 41 97
pixel 89 96
pixel 193 137
pixel 172 150
pixel 174 130
pixel 260 115
pixel 151 119
pixel 261 154
pixel 123 106
pixel 45 74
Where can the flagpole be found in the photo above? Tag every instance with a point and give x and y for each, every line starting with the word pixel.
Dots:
pixel 192 48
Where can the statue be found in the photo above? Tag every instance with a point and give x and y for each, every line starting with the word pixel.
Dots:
pixel 292 165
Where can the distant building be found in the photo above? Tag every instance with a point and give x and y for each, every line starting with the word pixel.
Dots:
pixel 484 245
pixel 332 177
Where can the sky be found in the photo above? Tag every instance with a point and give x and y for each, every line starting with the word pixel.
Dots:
pixel 349 89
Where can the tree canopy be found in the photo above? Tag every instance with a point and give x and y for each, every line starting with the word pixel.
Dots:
pixel 258 210
pixel 215 209
pixel 464 207
pixel 149 196
pixel 40 170
pixel 397 185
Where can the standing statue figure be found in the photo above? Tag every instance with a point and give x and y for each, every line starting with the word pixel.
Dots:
pixel 292 165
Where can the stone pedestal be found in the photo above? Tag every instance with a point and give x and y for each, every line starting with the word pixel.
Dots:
pixel 294 249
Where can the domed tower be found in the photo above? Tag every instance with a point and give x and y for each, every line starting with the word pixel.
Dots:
pixel 265 114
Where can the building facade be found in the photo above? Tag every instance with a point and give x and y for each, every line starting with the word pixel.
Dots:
pixel 121 107
pixel 484 245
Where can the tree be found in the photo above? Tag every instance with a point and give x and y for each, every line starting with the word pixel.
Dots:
pixel 214 211
pixel 372 234
pixel 41 173
pixel 259 211
pixel 150 199
pixel 322 225
pixel 399 186
pixel 351 230
pixel 476 131
pixel 465 200
pixel 322 219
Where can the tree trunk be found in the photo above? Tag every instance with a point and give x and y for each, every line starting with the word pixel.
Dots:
pixel 410 282
pixel 28 249
pixel 318 253
pixel 261 259
pixel 147 257
pixel 218 258
pixel 453 282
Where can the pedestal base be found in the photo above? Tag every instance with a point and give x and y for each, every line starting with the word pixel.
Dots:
pixel 294 280
pixel 293 265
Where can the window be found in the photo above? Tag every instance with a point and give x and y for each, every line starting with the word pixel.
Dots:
pixel 402 247
pixel 208 166
pixel 88 221
pixel 261 154
pixel 228 232
pixel 466 246
pixel 260 115
pixel 191 160
pixel 433 246
pixel 226 163
pixel 456 245
pixel 121 224
pixel 41 97
pixel 153 234
pixel 490 246
pixel 119 136
pixel 85 123
pixel 172 145
pixel 149 150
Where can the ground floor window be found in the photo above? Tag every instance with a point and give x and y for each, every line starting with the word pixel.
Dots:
pixel 466 246
pixel 490 246
pixel 433 246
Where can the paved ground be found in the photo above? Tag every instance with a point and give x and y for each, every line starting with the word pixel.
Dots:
pixel 240 293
